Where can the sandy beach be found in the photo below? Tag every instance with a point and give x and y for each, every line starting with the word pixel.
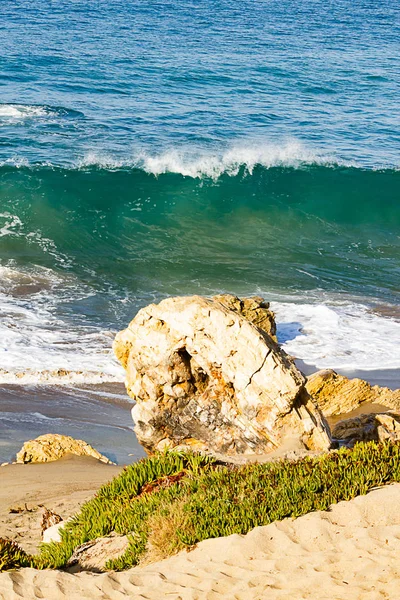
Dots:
pixel 347 553
pixel 62 486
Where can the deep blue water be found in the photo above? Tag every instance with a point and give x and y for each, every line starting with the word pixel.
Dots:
pixel 118 77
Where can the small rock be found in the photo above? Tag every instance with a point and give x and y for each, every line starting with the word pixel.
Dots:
pixel 52 534
pixel 49 519
pixel 93 555
pixel 368 427
pixel 52 446
pixel 336 394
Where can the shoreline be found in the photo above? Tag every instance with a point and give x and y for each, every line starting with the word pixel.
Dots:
pixel 100 413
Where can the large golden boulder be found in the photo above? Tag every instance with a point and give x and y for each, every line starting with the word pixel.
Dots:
pixel 204 376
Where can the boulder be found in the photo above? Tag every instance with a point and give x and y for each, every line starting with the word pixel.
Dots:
pixel 206 378
pixel 336 394
pixel 53 446
pixel 255 309
pixel 367 427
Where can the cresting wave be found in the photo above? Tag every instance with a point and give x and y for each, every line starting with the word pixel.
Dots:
pixel 82 249
pixel 277 226
pixel 209 164
pixel 196 163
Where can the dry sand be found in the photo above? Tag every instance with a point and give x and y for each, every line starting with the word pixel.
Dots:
pixel 62 486
pixel 347 553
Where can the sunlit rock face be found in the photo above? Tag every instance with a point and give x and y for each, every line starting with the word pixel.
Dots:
pixel 337 395
pixel 205 377
pixel 53 446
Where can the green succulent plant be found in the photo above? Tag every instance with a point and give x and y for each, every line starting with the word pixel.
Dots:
pixel 174 500
pixel 12 556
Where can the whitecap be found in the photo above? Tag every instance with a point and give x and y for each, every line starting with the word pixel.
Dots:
pixel 22 111
pixel 199 163
pixel 346 336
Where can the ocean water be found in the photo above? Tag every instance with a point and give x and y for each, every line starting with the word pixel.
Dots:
pixel 150 149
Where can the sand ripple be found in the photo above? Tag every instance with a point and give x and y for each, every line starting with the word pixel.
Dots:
pixel 349 552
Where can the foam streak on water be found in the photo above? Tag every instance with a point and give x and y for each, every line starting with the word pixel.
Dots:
pixel 349 337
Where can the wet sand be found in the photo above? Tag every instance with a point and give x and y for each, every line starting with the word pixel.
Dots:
pixel 98 414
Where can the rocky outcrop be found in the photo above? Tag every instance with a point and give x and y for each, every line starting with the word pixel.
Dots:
pixel 205 377
pixel 368 427
pixel 52 446
pixel 336 394
pixel 255 309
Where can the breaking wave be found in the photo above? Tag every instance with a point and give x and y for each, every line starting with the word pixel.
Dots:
pixel 83 248
pixel 199 164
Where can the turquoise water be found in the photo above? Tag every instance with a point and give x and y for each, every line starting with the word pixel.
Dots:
pixel 150 149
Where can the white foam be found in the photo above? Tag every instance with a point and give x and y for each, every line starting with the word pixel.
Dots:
pixel 37 345
pixel 58 377
pixel 104 161
pixel 22 111
pixel 40 343
pixel 200 163
pixel 17 161
pixel 9 224
pixel 346 336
